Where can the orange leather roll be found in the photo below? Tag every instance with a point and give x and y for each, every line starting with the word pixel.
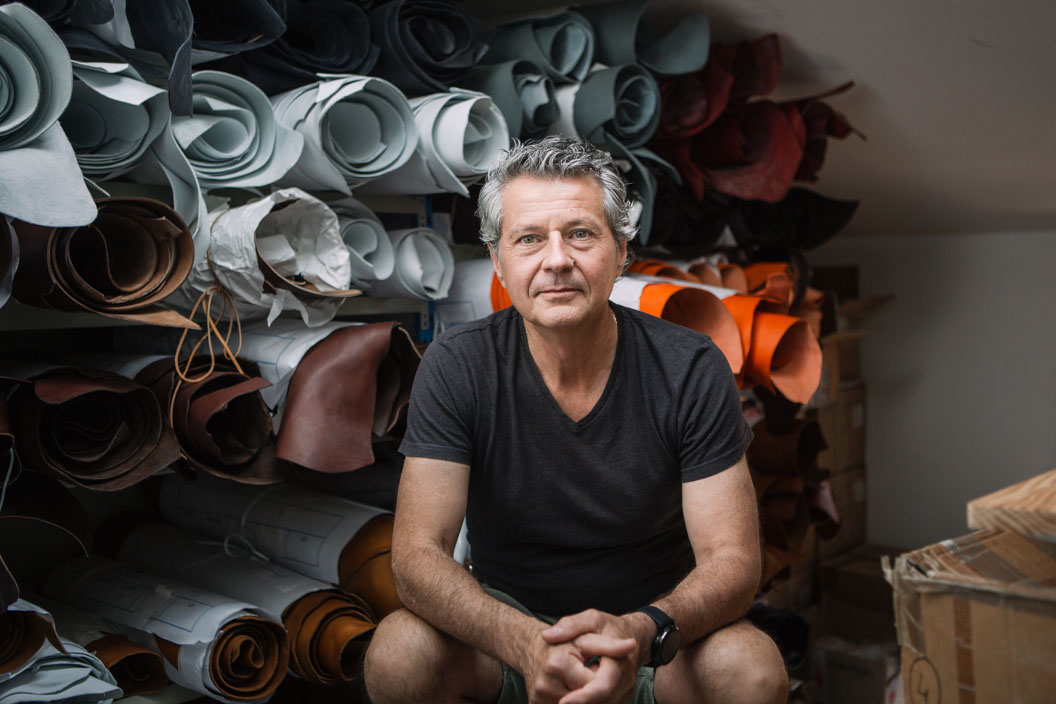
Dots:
pixel 499 297
pixel 656 267
pixel 698 310
pixel 22 633
pixel 247 659
pixel 706 273
pixel 784 356
pixel 757 273
pixel 365 566
pixel 136 669
pixel 733 277
pixel 329 633
pixel 794 452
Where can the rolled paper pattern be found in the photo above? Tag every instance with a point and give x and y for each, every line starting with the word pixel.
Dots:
pixel 424 268
pixel 113 117
pixel 91 428
pixel 425 44
pixel 561 44
pixel 322 37
pixel 136 669
pixel 136 253
pixel 36 159
pixel 461 135
pixel 369 246
pixel 329 629
pixel 231 139
pixel 624 36
pixel 220 420
pixel 318 535
pixel 330 427
pixel 355 129
pixel 521 90
pixel 217 646
pixel 282 251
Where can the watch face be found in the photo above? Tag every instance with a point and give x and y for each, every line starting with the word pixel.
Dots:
pixel 670 642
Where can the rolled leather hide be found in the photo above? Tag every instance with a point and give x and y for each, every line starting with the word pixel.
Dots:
pixel 135 253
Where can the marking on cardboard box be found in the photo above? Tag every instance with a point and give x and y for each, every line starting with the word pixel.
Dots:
pixel 923 685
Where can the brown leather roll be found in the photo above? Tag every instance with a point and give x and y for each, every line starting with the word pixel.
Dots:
pixel 135 253
pixel 785 521
pixel 329 633
pixel 346 390
pixel 365 566
pixel 92 428
pixel 136 669
pixel 247 660
pixel 221 422
pixel 790 453
pixel 22 633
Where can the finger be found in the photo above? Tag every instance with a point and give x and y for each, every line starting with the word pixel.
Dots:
pixel 566 670
pixel 592 644
pixel 571 626
pixel 606 685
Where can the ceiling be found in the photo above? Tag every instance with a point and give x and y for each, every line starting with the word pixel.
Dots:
pixel 956 97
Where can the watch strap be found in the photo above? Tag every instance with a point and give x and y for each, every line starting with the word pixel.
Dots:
pixel 660 618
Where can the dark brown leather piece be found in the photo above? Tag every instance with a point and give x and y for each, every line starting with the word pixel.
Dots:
pixel 91 428
pixel 135 253
pixel 136 669
pixel 365 566
pixel 221 422
pixel 40 498
pixel 346 390
pixel 329 633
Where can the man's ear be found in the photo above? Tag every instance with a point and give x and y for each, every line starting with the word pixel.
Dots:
pixel 493 251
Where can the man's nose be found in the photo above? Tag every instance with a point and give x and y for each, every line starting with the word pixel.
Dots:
pixel 558 256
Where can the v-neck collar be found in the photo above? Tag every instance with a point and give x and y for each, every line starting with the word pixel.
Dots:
pixel 544 390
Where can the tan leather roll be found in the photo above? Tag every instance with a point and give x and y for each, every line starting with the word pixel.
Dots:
pixel 329 633
pixel 365 566
pixel 22 633
pixel 135 253
pixel 221 422
pixel 136 669
pixel 346 390
pixel 92 428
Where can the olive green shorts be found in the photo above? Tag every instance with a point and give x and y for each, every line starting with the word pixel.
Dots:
pixel 513 689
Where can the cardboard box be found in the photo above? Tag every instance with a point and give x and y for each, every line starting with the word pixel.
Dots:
pixel 849 493
pixel 845 673
pixel 1027 508
pixel 976 619
pixel 856 601
pixel 843 426
pixel 841 348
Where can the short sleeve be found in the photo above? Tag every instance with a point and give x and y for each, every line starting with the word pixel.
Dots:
pixel 440 416
pixel 713 432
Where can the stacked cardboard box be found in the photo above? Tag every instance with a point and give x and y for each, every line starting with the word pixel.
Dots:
pixel 976 615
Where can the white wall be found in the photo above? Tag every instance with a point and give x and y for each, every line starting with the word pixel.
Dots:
pixel 961 381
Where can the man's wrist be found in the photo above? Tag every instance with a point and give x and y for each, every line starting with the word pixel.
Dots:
pixel 644 630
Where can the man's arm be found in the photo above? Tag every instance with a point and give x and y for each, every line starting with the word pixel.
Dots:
pixel 723 526
pixel 429 511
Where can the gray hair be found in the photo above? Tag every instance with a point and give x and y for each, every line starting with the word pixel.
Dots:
pixel 553 158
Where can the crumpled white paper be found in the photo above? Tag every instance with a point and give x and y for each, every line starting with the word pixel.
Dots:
pixel 462 134
pixel 36 159
pixel 297 233
pixel 424 266
pixel 356 128
pixel 232 140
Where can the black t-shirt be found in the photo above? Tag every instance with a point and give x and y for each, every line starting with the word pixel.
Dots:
pixel 565 515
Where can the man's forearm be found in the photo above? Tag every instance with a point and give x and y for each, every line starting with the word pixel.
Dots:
pixel 443 593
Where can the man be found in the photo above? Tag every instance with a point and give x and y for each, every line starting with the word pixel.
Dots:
pixel 597 454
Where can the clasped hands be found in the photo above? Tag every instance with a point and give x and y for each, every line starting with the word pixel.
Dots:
pixel 586 658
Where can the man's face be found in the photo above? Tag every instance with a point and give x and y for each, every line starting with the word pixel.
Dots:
pixel 556 255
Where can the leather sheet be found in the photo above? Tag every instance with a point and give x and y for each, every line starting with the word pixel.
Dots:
pixel 328 426
pixel 821 122
pixel 38 79
pixel 426 45
pixel 328 628
pixel 91 428
pixel 802 220
pixel 461 135
pixel 620 103
pixel 355 129
pixel 219 417
pixel 624 36
pixel 322 36
pixel 365 566
pixel 521 90
pixel 137 252
pixel 86 11
pixel 232 139
pixel 9 256
pixel 22 633
pixel 640 169
pixel 561 44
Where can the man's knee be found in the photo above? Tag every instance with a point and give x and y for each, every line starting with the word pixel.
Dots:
pixel 410 661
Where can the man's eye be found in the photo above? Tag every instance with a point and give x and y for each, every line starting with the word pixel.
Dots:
pixel 581 234
pixel 526 239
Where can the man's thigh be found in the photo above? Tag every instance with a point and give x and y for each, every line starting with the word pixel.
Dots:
pixel 409 660
pixel 736 663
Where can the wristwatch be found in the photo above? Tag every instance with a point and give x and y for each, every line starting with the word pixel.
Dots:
pixel 667 641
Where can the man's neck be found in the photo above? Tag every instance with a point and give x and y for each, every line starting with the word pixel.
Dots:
pixel 574 358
